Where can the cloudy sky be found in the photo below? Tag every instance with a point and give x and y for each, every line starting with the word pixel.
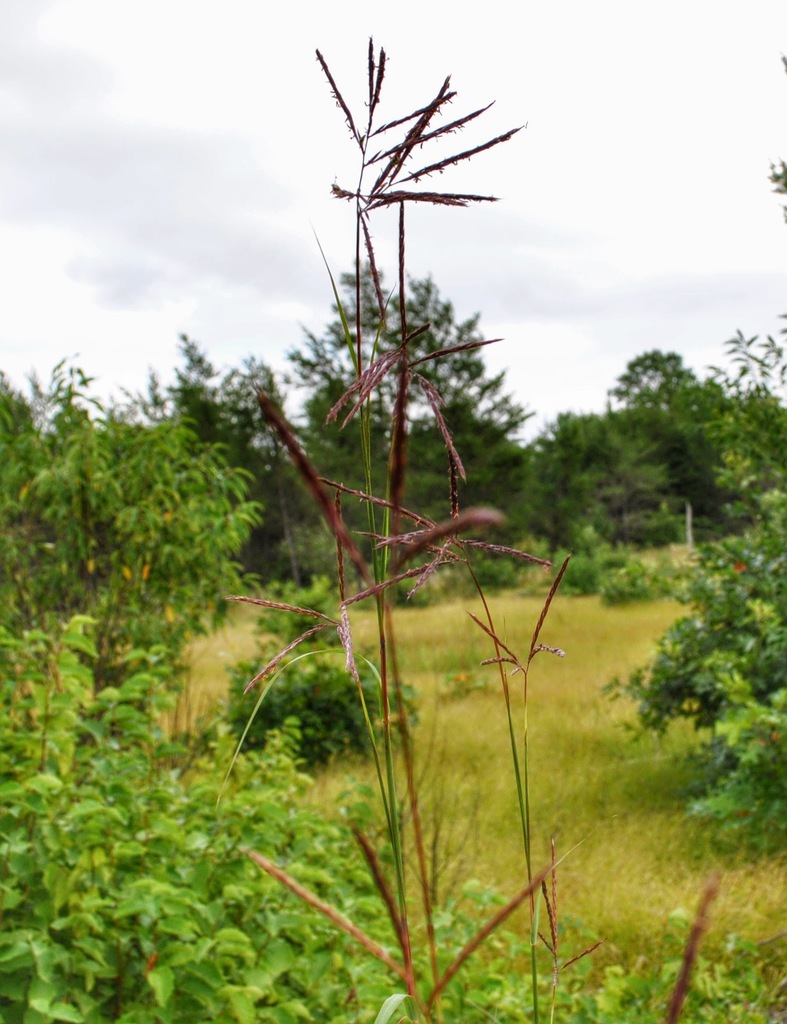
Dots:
pixel 165 164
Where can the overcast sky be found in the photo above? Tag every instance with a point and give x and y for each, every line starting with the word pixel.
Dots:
pixel 164 165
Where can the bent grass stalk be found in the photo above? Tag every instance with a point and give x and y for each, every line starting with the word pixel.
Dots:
pixel 389 546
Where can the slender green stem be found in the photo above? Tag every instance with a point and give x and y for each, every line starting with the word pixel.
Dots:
pixel 521 774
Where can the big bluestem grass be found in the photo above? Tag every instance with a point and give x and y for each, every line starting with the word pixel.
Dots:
pixel 399 547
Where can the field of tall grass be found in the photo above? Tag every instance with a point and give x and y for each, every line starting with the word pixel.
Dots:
pixel 613 797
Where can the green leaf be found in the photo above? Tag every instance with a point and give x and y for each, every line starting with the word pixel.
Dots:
pixel 80 642
pixel 242 1007
pixel 278 957
pixel 162 981
pixel 64 1011
pixel 389 1007
pixel 41 995
pixel 44 783
pixel 177 924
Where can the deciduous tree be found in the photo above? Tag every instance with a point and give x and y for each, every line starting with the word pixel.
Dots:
pixel 136 526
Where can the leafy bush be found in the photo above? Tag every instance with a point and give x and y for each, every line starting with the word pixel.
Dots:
pixel 285 626
pixel 591 561
pixel 723 989
pixel 124 893
pixel 135 526
pixel 313 694
pixel 637 581
pixel 316 692
pixel 752 745
pixel 724 667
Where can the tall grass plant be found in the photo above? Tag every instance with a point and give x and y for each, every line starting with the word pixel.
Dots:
pixel 398 546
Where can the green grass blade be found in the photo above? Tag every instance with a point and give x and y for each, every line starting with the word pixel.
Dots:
pixel 389 1008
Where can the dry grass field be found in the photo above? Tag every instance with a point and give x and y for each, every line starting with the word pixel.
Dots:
pixel 614 799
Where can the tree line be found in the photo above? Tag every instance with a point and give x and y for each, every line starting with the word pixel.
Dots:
pixel 626 474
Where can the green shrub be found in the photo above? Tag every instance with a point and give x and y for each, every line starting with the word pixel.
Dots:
pixel 591 561
pixel 637 581
pixel 751 743
pixel 285 626
pixel 724 667
pixel 134 525
pixel 313 694
pixel 318 694
pixel 124 892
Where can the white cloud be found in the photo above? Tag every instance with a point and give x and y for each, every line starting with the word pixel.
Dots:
pixel 162 165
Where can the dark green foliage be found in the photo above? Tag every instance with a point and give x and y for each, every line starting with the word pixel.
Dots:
pixel 749 768
pixel 313 694
pixel 222 409
pixel 125 893
pixel 317 695
pixel 135 526
pixel 630 472
pixel 724 667
pixel 751 426
pixel 654 380
pixel 592 559
pixel 482 417
pixel 738 594
pixel 638 581
pixel 593 470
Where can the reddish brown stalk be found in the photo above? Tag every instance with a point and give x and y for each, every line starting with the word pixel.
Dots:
pixel 585 952
pixel 472 519
pixel 501 549
pixel 437 133
pixel 483 933
pixel 438 198
pixel 379 588
pixel 458 157
pixel 411 139
pixel 453 489
pixel 409 117
pixel 282 607
pixel 698 929
pixel 545 610
pixel 312 480
pixel 363 385
pixel 435 400
pixel 412 795
pixel 337 504
pixel 374 91
pixel 466 346
pixel 339 98
pixel 378 288
pixel 398 464
pixel 328 911
pixel 412 335
pixel 443 556
pixel 374 500
pixel 499 645
pixel 402 293
pixel 277 660
pixel 383 888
